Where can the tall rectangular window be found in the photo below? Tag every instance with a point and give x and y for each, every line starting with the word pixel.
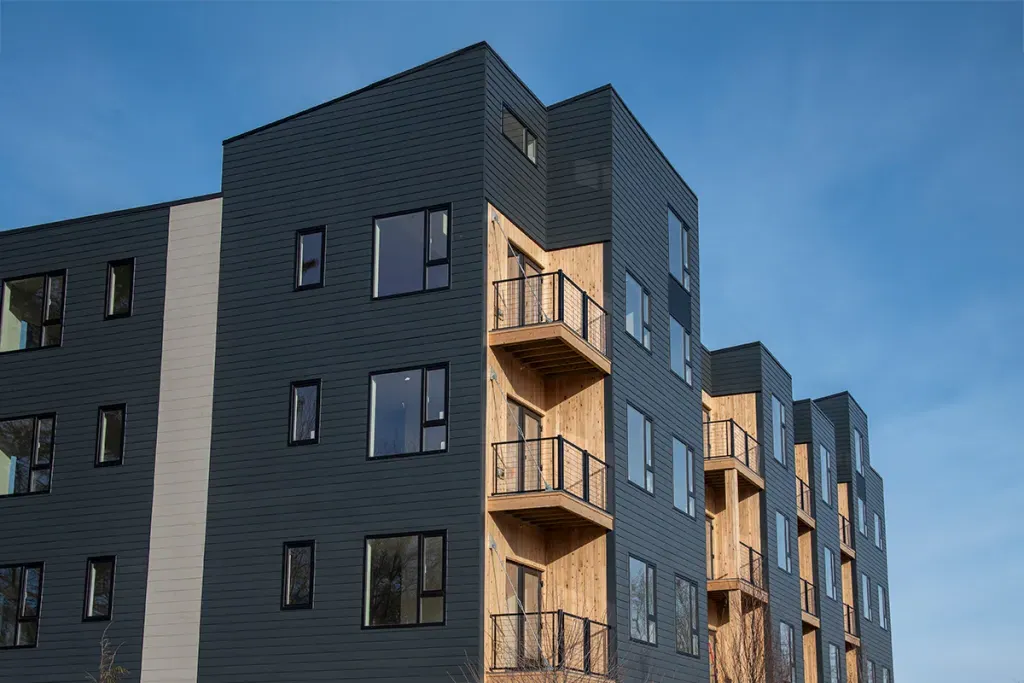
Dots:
pixel 886 676
pixel 120 288
pixel 409 411
pixel 682 357
pixel 405 580
pixel 687 638
pixel 782 547
pixel 639 442
pixel 865 595
pixel 825 465
pixel 643 616
pixel 878 531
pixel 21 591
pixel 297 575
pixel 833 663
pixel 787 646
pixel 32 312
pixel 871 672
pixel 26 454
pixel 679 249
pixel 99 589
pixel 110 435
pixel 410 252
pixel 304 413
pixel 638 312
pixel 883 612
pixel 862 517
pixel 521 136
pixel 830 573
pixel 778 430
pixel 858 451
pixel 310 257
pixel 682 474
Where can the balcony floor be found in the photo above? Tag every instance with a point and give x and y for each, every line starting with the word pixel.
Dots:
pixel 714 466
pixel 745 587
pixel 847 550
pixel 550 509
pixel 550 348
pixel 805 519
pixel 851 641
pixel 810 620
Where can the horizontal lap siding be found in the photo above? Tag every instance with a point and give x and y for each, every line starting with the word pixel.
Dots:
pixel 90 511
pixel 412 142
pixel 877 643
pixel 645 526
pixel 736 370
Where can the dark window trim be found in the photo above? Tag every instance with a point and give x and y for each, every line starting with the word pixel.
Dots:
pixel 288 545
pixel 35 446
pixel 831 567
pixel 685 240
pixel 424 423
pixel 301 384
pixel 792 648
pixel 112 559
pixel 691 493
pixel 832 490
pixel 650 617
pixel 427 262
pixel 123 407
pixel 420 593
pixel 107 315
pixel 20 617
pixel 789 546
pixel 46 292
pixel 645 313
pixel 299 234
pixel 687 362
pixel 648 467
pixel 784 462
pixel 696 607
pixel 520 146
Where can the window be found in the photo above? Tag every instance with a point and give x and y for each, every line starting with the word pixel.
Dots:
pixel 883 612
pixel 305 413
pixel 639 440
pixel 110 435
pixel 638 312
pixel 878 531
pixel 825 464
pixel 407 414
pixel 643 616
pixel 521 136
pixel 297 575
pixel 679 249
pixel 405 579
pixel 862 517
pixel 779 430
pixel 411 252
pixel 33 312
pixel 871 672
pixel 687 640
pixel 865 595
pixel 21 590
pixel 26 454
pixel 310 257
pixel 785 557
pixel 120 288
pixel 788 651
pixel 830 573
pixel 682 471
pixel 858 451
pixel 99 589
pixel 833 663
pixel 682 358
pixel 886 676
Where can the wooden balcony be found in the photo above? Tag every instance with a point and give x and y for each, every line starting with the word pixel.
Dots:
pixel 804 508
pixel 846 538
pixel 809 604
pixel 549 646
pixel 850 630
pixel 749 579
pixel 727 446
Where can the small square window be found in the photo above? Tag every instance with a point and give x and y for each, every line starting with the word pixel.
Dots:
pixel 305 413
pixel 310 257
pixel 32 315
pixel 120 288
pixel 409 411
pixel 99 589
pixel 411 252
pixel 110 435
pixel 26 454
pixel 405 580
pixel 21 593
pixel 521 136
pixel 297 575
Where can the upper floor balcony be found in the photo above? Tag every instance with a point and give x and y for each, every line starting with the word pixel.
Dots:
pixel 852 632
pixel 551 324
pixel 804 499
pixel 846 537
pixel 550 482
pixel 748 576
pixel 553 645
pixel 809 604
pixel 729 446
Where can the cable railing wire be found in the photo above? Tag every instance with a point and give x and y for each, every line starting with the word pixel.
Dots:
pixel 550 464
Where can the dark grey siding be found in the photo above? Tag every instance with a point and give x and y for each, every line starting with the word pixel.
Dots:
pixel 409 143
pixel 90 511
pixel 643 185
pixel 579 197
pixel 736 370
pixel 837 408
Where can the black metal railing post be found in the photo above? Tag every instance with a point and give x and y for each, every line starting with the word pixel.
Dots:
pixel 586 317
pixel 586 476
pixel 561 464
pixel 561 637
pixel 561 296
pixel 586 645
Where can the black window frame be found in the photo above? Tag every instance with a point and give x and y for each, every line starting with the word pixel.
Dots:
pixel 838 669
pixel 695 609
pixel 865 590
pixel 521 145
pixel 20 617
pixel 46 322
pixel 107 301
pixel 784 460
pixel 112 407
pixel 882 596
pixel 648 427
pixel 828 490
pixel 299 234
pixel 33 467
pixel 112 559
pixel 689 456
pixel 650 584
pixel 427 261
pixel 879 531
pixel 424 422
pixel 302 384
pixel 684 240
pixel 645 313
pixel 792 648
pixel 285 592
pixel 786 539
pixel 862 516
pixel 829 556
pixel 420 593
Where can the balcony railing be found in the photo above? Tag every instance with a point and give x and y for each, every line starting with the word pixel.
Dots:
pixel 850 620
pixel 751 566
pixel 808 598
pixel 726 439
pixel 550 464
pixel 804 496
pixel 845 531
pixel 548 298
pixel 549 641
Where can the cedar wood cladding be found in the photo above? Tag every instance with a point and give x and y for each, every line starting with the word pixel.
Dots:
pixel 90 511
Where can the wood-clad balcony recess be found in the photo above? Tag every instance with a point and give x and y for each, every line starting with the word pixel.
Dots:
pixel 727 446
pixel 850 629
pixel 846 538
pixel 549 323
pixel 556 644
pixel 747 576
pixel 804 499
pixel 809 604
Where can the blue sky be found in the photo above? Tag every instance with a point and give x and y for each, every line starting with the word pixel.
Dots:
pixel 860 169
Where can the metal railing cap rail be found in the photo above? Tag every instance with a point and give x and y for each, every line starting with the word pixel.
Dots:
pixel 556 273
pixel 551 438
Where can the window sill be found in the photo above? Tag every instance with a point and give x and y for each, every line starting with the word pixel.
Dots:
pixel 406 455
pixel 640 487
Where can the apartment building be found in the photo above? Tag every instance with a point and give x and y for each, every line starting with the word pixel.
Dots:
pixel 420 391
